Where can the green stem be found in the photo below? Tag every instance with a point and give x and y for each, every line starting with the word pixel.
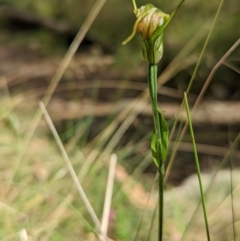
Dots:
pixel 152 81
pixel 197 165
pixel 134 5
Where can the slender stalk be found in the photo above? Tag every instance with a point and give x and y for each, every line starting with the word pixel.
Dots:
pixel 152 221
pixel 144 210
pixel 231 186
pixel 152 81
pixel 134 5
pixel 197 165
pixel 108 195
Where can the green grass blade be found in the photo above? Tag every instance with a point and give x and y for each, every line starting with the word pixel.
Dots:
pixel 231 186
pixel 152 223
pixel 197 165
pixel 143 213
pixel 208 188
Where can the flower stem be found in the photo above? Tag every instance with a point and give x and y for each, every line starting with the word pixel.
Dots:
pixel 152 81
pixel 134 5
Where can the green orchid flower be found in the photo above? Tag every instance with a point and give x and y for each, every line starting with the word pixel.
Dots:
pixel 151 23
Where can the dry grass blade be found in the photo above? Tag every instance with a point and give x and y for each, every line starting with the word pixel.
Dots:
pixel 23 235
pixel 218 64
pixel 70 169
pixel 108 196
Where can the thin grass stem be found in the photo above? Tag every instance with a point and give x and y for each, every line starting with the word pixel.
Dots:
pixel 108 195
pixel 152 223
pixel 208 188
pixel 231 187
pixel 141 219
pixel 197 165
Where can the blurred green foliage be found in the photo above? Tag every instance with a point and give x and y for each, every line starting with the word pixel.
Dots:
pixel 116 19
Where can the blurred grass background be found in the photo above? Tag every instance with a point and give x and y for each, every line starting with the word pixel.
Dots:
pixel 103 79
pixel 194 18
